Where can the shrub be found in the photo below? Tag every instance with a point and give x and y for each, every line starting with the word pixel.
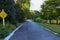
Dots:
pixel 38 19
pixel 4 31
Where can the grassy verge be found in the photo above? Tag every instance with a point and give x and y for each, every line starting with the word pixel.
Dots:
pixel 52 27
pixel 4 31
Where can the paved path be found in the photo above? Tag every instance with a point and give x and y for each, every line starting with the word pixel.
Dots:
pixel 32 31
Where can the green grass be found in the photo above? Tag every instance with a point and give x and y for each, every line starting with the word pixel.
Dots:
pixel 4 31
pixel 52 27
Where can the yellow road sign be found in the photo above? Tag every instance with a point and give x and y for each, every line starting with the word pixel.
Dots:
pixel 3 14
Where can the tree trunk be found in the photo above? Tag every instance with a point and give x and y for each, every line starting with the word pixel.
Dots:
pixel 50 21
pixel 57 21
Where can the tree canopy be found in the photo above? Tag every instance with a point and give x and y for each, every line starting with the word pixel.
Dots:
pixel 24 5
pixel 8 6
pixel 49 9
pixel 16 11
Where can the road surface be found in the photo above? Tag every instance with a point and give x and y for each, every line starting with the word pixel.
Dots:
pixel 33 31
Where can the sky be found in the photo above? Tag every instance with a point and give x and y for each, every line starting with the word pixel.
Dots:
pixel 36 4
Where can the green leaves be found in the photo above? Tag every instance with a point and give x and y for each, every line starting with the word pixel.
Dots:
pixel 24 5
pixel 49 10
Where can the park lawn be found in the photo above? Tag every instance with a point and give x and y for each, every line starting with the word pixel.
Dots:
pixel 52 27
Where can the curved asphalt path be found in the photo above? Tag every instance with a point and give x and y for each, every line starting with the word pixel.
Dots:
pixel 32 31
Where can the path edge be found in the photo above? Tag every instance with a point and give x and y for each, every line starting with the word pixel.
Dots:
pixel 11 34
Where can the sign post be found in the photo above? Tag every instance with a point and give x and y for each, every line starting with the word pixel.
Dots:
pixel 3 15
pixel 3 22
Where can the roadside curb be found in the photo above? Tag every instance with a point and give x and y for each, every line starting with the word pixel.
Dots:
pixel 53 32
pixel 11 34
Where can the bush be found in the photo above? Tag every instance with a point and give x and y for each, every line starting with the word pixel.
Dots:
pixel 4 31
pixel 38 19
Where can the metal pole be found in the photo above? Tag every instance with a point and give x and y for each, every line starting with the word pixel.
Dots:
pixel 3 22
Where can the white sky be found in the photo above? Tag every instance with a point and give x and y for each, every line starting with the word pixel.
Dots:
pixel 36 4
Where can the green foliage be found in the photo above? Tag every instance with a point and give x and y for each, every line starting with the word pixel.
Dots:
pixel 49 10
pixel 19 13
pixel 16 11
pixel 4 31
pixel 24 5
pixel 34 15
pixel 8 6
pixel 38 19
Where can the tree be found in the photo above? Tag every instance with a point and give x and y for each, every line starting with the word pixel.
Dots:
pixel 49 10
pixel 34 15
pixel 19 13
pixel 9 7
pixel 24 5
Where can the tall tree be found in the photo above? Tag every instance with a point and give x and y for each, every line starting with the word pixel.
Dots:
pixel 49 10
pixel 19 13
pixel 24 5
pixel 8 6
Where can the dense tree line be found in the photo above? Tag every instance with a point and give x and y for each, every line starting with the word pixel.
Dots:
pixel 24 5
pixel 8 6
pixel 50 11
pixel 16 11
